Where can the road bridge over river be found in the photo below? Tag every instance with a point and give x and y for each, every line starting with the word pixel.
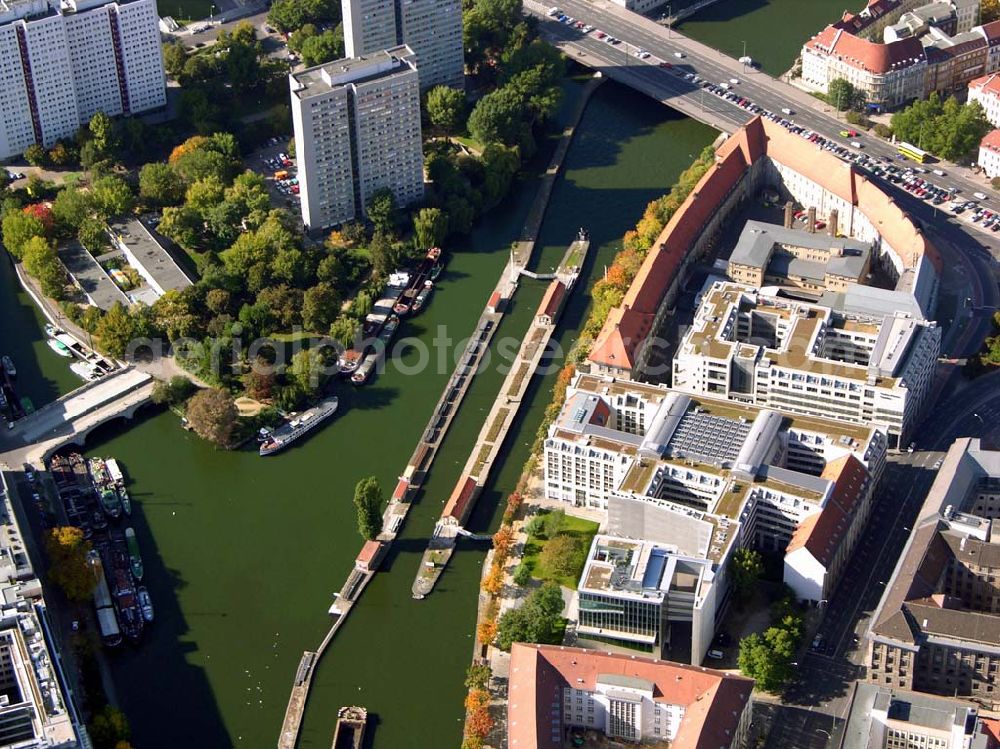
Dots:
pixel 71 418
pixel 683 55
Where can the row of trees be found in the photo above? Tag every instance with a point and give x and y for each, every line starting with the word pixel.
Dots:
pixel 946 128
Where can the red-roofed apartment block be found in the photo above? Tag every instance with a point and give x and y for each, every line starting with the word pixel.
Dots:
pixel 761 153
pixel 554 690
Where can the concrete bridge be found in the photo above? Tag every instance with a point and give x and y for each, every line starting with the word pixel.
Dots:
pixel 71 418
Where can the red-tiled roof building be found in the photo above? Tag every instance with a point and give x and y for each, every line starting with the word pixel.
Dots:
pixel 761 152
pixel 554 689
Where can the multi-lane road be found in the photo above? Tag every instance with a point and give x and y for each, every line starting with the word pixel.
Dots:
pixel 636 32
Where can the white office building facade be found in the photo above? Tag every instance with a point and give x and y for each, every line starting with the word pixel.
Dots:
pixel 357 130
pixel 431 28
pixel 61 64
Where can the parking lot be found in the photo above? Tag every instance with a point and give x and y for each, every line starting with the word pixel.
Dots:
pixel 279 172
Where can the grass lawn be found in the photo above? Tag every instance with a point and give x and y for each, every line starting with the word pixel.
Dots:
pixel 584 530
pixel 185 11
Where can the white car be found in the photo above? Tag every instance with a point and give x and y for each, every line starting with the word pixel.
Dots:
pixel 642 54
pixel 716 655
pixel 979 195
pixel 786 110
pixel 734 81
pixel 554 11
pixel 587 29
pixel 679 55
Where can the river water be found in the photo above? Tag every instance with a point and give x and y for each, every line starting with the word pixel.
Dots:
pixel 242 554
pixel 774 30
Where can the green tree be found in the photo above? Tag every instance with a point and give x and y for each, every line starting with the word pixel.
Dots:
pixel 384 255
pixel 36 155
pixel 843 95
pixel 174 57
pixel 93 235
pixel 430 226
pixel 368 501
pixel 562 556
pixel 172 392
pixel 444 107
pixel 308 370
pixel 174 313
pixel 71 208
pixel 111 196
pixel 989 11
pixel 212 414
pixel 498 117
pixel 323 47
pixel 745 569
pixel 42 263
pixel 538 620
pixel 115 330
pixel 102 128
pixel 286 15
pixel 320 305
pixel 477 676
pixel 500 166
pixel 69 565
pixel 767 658
pixel 555 521
pixel 17 228
pixel 160 185
pixel 381 209
pixel 343 330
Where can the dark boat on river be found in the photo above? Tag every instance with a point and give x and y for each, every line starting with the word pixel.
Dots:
pixel 350 731
pixel 404 305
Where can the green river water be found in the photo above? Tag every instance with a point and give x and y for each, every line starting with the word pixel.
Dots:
pixel 242 554
pixel 774 30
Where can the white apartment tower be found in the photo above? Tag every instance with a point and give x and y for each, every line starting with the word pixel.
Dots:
pixel 431 28
pixel 60 63
pixel 357 130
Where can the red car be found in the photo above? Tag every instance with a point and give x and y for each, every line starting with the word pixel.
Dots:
pixel 665 65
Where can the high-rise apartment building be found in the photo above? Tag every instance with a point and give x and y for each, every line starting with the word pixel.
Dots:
pixel 60 63
pixel 357 130
pixel 431 28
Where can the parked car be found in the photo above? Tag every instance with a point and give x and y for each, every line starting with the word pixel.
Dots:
pixel 717 655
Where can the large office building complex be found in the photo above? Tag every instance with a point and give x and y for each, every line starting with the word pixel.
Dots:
pixel 749 346
pixel 937 627
pixel 431 28
pixel 693 479
pixel 357 130
pixel 64 62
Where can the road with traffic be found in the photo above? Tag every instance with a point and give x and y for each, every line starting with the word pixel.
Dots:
pixel 638 34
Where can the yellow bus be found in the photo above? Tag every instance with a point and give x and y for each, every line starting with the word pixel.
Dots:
pixel 912 152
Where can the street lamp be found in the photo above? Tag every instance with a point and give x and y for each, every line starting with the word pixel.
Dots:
pixel 670 20
pixel 744 58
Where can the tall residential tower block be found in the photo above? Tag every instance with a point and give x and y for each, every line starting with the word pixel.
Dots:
pixel 63 62
pixel 357 130
pixel 431 28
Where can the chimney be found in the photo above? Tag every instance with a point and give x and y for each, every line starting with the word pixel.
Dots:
pixel 833 222
pixel 788 215
pixel 811 220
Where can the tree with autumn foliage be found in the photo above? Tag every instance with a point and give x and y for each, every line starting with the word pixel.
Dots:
pixel 503 539
pixel 476 698
pixel 43 212
pixel 493 583
pixel 69 563
pixel 486 632
pixel 479 723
